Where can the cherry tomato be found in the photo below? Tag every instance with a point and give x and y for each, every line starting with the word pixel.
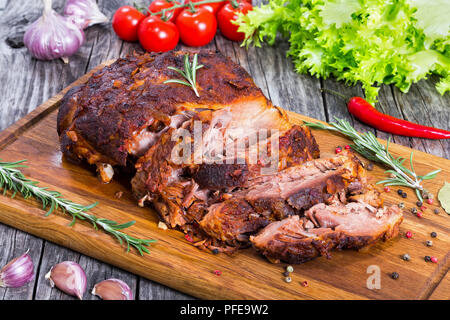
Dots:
pixel 211 7
pixel 126 22
pixel 159 5
pixel 227 14
pixel 196 28
pixel 158 35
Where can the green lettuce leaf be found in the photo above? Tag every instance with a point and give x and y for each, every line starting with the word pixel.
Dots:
pixel 371 42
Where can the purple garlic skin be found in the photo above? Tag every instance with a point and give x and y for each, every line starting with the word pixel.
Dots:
pixel 69 277
pixel 53 36
pixel 84 13
pixel 113 289
pixel 17 272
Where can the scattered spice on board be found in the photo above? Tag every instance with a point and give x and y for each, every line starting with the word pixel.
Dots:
pixel 395 275
pixel 433 234
pixel 290 269
pixel 305 283
pixel 429 243
pixel 188 238
pixel 434 259
pixel 427 258
pixel 408 234
pixel 406 257
pixel 217 272
pixel 288 279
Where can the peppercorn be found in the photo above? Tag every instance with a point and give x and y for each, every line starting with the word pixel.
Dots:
pixel 434 259
pixel 286 274
pixel 404 195
pixel 430 201
pixel 436 211
pixel 401 205
pixel 399 191
pixel 427 258
pixel 290 269
pixel 414 210
pixel 217 272
pixel 338 150
pixel 369 166
pixel 387 189
pixel 419 203
pixel 394 275
pixel 215 251
pixel 305 283
pixel 406 257
pixel 408 234
pixel 419 214
pixel 347 147
pixel 429 243
pixel 433 234
pixel 288 279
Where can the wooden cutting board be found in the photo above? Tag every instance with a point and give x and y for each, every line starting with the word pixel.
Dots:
pixel 176 263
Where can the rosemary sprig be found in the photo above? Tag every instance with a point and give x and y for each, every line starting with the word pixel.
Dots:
pixel 368 146
pixel 189 73
pixel 12 179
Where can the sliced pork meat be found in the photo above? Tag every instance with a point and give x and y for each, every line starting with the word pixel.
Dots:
pixel 288 192
pixel 326 227
pixel 227 167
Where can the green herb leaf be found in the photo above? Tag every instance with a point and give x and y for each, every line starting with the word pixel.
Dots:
pixel 189 73
pixel 12 179
pixel 368 146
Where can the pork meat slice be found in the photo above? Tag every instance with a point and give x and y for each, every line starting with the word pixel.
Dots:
pixel 285 193
pixel 326 227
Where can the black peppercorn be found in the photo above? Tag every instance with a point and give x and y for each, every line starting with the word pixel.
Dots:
pixel 419 203
pixel 436 211
pixel 427 258
pixel 433 234
pixel 215 251
pixel 404 195
pixel 400 191
pixel 394 275
pixel 286 274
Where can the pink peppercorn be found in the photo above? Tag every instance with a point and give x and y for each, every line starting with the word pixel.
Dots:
pixel 217 272
pixel 338 150
pixel 430 201
pixel 305 283
pixel 408 234
pixel 434 259
pixel 347 147
pixel 188 238
pixel 419 214
pixel 387 189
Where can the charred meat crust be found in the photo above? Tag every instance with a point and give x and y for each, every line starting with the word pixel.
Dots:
pixel 122 98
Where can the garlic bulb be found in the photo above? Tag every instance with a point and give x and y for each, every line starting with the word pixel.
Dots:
pixel 69 277
pixel 113 289
pixel 84 13
pixel 53 36
pixel 17 272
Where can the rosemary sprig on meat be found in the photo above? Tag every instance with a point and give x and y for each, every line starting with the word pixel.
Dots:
pixel 12 179
pixel 189 73
pixel 368 146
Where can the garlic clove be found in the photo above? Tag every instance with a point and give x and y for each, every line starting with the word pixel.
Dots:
pixel 84 13
pixel 113 289
pixel 69 277
pixel 17 272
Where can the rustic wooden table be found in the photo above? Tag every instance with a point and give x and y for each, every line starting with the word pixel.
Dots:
pixel 26 83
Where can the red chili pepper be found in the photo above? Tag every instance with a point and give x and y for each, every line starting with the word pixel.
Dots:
pixel 365 112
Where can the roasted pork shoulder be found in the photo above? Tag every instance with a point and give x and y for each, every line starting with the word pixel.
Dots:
pixel 228 167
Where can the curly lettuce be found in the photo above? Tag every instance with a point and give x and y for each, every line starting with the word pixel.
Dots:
pixel 371 42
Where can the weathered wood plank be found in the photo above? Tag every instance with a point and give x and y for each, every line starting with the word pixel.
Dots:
pixel 14 243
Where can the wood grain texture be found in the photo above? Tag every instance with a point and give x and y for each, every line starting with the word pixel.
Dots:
pixel 28 82
pixel 176 263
